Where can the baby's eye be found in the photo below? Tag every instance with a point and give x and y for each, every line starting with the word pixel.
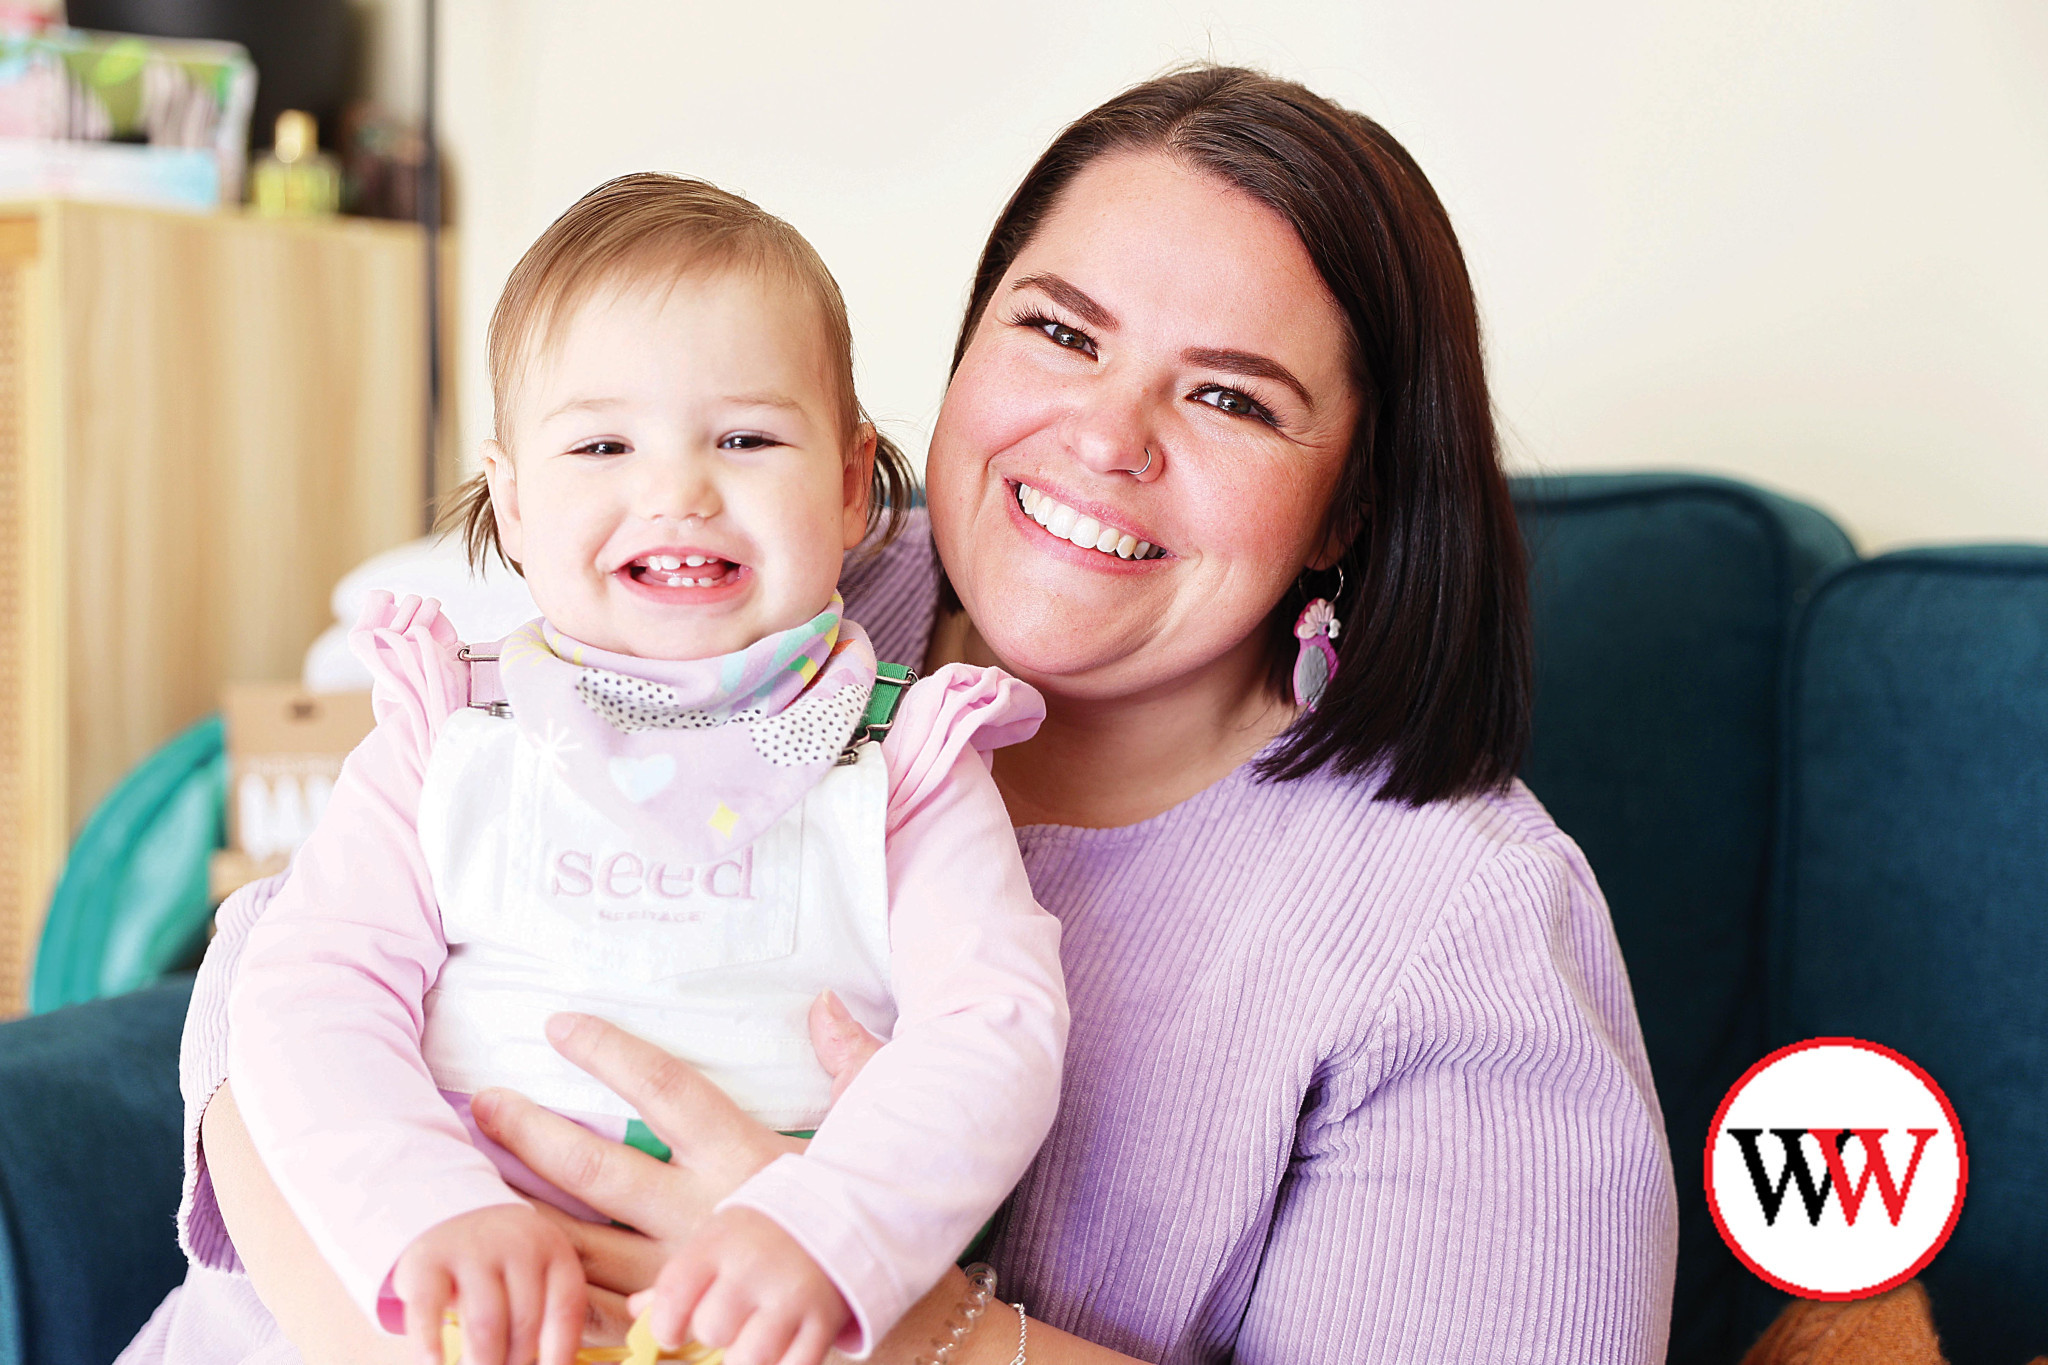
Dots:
pixel 1233 401
pixel 603 447
pixel 747 440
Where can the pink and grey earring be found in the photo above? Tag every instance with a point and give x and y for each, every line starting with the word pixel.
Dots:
pixel 1316 662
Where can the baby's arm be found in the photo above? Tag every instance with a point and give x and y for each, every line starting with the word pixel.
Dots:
pixel 941 1123
pixel 326 1012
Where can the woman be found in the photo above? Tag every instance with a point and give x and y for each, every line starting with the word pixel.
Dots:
pixel 1354 1072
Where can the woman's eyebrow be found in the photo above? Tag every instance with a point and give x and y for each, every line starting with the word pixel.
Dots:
pixel 1068 295
pixel 1250 364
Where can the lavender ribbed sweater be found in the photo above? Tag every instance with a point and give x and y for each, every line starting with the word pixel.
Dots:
pixel 1347 1081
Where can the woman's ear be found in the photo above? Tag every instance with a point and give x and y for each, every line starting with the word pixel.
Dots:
pixel 858 484
pixel 1332 549
pixel 504 485
pixel 1338 541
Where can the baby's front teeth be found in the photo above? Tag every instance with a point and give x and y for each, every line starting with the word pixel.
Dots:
pixel 664 563
pixel 1085 531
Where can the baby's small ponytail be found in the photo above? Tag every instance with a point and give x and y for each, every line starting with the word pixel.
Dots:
pixel 891 494
pixel 468 509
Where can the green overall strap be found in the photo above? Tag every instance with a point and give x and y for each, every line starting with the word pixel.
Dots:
pixel 891 682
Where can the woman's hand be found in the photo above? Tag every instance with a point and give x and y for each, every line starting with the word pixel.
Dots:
pixel 714 1148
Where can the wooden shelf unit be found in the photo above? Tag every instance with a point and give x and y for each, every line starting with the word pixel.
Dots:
pixel 205 420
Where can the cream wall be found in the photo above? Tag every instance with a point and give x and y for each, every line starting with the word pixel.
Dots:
pixel 1800 242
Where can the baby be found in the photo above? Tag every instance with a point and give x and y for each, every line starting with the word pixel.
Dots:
pixel 668 802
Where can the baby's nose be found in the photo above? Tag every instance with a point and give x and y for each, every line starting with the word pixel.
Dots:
pixel 680 490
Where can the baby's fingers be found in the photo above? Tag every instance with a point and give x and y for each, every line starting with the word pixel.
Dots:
pixel 567 1308
pixel 483 1312
pixel 762 1339
pixel 526 1311
pixel 677 1294
pixel 813 1338
pixel 721 1313
pixel 426 1305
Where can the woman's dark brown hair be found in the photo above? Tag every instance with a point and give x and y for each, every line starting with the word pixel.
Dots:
pixel 1433 683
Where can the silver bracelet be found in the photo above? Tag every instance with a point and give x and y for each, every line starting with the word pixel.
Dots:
pixel 1023 1325
pixel 981 1289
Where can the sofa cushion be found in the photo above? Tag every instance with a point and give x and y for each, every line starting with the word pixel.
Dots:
pixel 1662 607
pixel 91 1137
pixel 1913 902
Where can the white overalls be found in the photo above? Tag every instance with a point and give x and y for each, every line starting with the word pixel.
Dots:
pixel 548 905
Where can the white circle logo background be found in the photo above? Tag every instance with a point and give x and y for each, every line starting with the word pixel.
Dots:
pixel 1829 1083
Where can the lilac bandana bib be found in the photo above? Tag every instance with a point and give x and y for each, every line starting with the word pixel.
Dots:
pixel 701 754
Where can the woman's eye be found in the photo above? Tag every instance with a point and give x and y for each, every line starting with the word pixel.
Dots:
pixel 1233 401
pixel 747 440
pixel 602 448
pixel 1063 335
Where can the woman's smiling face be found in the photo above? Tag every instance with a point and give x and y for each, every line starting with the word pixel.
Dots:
pixel 1157 309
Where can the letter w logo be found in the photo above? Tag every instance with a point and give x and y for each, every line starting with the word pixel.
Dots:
pixel 1832 1142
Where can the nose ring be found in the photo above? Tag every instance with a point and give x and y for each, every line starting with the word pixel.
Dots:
pixel 1139 472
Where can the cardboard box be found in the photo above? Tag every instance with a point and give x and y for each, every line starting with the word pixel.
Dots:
pixel 285 749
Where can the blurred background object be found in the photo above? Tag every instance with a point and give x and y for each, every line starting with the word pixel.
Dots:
pixel 285 746
pixel 295 179
pixel 122 119
pixel 383 163
pixel 205 422
pixel 214 419
pixel 302 49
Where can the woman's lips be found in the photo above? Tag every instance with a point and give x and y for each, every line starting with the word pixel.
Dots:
pixel 1100 540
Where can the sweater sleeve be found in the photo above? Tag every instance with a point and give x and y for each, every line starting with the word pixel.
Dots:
pixel 939 1126
pixel 325 1013
pixel 1489 1147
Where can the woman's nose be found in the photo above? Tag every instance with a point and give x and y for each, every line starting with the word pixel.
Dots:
pixel 1114 437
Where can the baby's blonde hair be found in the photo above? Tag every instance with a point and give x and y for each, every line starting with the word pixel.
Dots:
pixel 649 229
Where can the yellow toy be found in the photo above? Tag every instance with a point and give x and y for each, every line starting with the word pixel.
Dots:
pixel 640 1348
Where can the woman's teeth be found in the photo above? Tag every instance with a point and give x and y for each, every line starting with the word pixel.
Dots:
pixel 1085 531
pixel 663 570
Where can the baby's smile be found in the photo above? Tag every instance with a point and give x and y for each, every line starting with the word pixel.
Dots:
pixel 683 575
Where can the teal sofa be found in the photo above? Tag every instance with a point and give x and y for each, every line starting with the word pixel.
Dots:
pixel 1815 789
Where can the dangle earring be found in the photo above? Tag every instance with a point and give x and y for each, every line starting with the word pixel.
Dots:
pixel 1316 663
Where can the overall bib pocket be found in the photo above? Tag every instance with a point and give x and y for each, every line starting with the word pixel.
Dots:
pixel 623 907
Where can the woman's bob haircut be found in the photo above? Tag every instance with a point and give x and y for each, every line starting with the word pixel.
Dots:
pixel 1433 686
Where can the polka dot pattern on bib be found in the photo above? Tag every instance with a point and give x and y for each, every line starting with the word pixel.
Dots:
pixel 634 704
pixel 811 730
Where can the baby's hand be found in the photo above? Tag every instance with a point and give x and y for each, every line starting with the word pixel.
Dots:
pixel 513 1279
pixel 744 1284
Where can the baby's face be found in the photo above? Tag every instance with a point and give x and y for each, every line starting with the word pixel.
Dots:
pixel 679 480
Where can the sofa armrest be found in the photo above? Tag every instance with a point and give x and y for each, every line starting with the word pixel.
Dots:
pixel 91 1131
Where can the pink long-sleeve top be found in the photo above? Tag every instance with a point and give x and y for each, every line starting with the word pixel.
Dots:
pixel 328 1005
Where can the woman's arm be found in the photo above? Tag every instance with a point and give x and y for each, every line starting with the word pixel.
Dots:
pixel 294 1282
pixel 1485 1176
pixel 714 1148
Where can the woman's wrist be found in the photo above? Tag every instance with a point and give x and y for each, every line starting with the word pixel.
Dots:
pixel 930 1326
